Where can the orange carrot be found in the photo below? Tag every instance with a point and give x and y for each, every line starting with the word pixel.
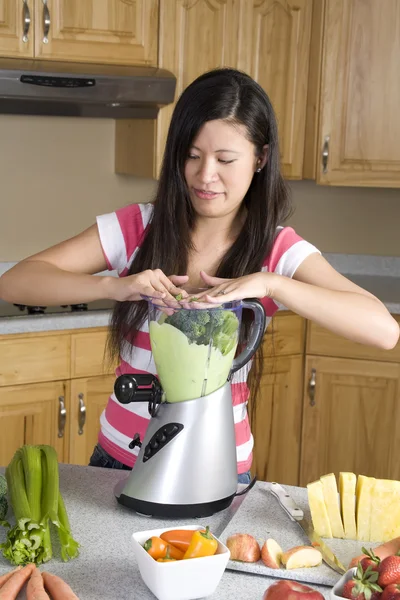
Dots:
pixel 58 588
pixel 10 589
pixel 6 576
pixel 35 588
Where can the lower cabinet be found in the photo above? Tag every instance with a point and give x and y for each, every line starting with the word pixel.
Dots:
pixel 88 399
pixel 64 412
pixel 33 414
pixel 351 410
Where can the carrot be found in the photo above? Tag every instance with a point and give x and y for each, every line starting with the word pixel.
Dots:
pixel 35 588
pixel 58 588
pixel 10 589
pixel 6 576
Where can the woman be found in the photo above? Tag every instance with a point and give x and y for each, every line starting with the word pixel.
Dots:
pixel 215 223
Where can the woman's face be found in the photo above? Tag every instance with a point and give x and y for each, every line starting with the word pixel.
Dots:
pixel 219 169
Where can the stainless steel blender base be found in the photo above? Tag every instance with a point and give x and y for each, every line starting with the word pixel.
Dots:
pixel 175 511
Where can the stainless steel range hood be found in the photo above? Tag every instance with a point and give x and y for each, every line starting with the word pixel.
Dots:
pixel 29 87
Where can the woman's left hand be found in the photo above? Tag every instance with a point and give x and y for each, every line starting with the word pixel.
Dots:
pixel 256 285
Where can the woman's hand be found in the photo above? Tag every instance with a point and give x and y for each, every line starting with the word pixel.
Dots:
pixel 256 285
pixel 152 283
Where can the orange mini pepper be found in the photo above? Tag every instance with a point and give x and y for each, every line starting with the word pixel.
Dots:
pixel 180 538
pixel 203 543
pixel 157 548
pixel 167 557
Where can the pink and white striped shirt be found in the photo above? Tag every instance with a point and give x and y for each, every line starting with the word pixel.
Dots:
pixel 121 233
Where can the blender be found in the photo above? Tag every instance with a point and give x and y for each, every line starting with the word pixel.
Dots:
pixel 187 463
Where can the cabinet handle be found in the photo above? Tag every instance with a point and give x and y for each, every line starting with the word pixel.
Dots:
pixel 27 21
pixel 62 416
pixel 325 154
pixel 311 386
pixel 81 414
pixel 46 22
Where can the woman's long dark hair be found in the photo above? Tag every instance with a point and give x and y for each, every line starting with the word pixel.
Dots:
pixel 234 97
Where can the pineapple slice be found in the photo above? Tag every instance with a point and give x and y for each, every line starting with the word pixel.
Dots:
pixel 364 492
pixel 319 514
pixel 385 510
pixel 331 498
pixel 347 488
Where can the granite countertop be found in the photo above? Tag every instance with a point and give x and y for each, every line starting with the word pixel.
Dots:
pixel 380 275
pixel 106 567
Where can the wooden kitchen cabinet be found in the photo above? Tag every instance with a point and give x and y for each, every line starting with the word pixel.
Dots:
pixel 278 411
pixel 269 39
pixel 32 414
pixel 53 388
pixel 356 95
pixel 350 412
pixel 89 397
pixel 16 33
pixel 101 31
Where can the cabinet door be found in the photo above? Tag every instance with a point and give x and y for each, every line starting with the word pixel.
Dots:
pixel 275 46
pixel 102 31
pixel 89 397
pixel 277 431
pixel 16 28
pixel 360 96
pixel 32 414
pixel 350 413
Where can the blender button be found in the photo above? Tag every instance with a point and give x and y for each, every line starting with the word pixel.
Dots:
pixel 154 443
pixel 147 452
pixel 170 429
pixel 161 437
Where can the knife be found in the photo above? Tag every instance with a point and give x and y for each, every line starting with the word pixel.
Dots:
pixel 297 515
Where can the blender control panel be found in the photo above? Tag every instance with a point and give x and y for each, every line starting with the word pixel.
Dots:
pixel 161 437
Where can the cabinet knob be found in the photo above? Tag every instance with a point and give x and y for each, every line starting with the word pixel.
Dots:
pixel 311 386
pixel 62 416
pixel 46 22
pixel 81 414
pixel 26 16
pixel 325 154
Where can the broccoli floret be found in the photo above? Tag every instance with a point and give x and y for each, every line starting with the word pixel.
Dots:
pixel 200 325
pixel 3 486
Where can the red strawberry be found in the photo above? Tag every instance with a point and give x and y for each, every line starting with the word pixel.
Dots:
pixel 370 560
pixel 389 571
pixel 391 592
pixel 363 585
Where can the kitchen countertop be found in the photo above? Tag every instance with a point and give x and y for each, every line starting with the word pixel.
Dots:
pixel 380 275
pixel 106 567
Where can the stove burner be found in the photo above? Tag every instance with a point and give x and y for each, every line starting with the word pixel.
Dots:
pixel 32 310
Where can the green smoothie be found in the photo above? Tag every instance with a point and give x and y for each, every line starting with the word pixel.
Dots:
pixel 182 365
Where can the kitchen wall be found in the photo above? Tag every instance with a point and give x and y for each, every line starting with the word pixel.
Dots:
pixel 56 175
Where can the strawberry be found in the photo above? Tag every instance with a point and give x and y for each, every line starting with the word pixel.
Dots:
pixel 391 592
pixel 389 570
pixel 363 585
pixel 370 560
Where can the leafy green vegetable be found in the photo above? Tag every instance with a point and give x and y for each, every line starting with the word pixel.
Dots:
pixel 3 486
pixel 3 507
pixel 201 325
pixel 33 482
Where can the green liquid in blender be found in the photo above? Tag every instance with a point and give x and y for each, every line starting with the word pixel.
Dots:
pixel 182 366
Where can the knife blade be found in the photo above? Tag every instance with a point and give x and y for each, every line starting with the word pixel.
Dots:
pixel 296 514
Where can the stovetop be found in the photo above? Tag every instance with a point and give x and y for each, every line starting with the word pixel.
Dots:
pixel 19 310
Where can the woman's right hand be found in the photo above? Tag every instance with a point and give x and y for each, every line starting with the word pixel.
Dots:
pixel 149 283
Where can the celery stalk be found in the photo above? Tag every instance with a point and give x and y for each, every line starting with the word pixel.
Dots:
pixel 69 546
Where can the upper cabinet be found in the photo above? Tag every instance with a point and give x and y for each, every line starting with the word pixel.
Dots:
pixel 359 122
pixel 269 39
pixel 16 37
pixel 101 31
pixel 274 46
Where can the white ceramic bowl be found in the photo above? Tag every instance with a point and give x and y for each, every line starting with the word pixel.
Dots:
pixel 184 579
pixel 336 591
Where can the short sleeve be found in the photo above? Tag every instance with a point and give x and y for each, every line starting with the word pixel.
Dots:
pixel 121 234
pixel 288 252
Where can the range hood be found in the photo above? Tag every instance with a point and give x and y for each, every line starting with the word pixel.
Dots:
pixel 38 87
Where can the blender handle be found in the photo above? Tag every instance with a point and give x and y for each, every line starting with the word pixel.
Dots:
pixel 257 333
